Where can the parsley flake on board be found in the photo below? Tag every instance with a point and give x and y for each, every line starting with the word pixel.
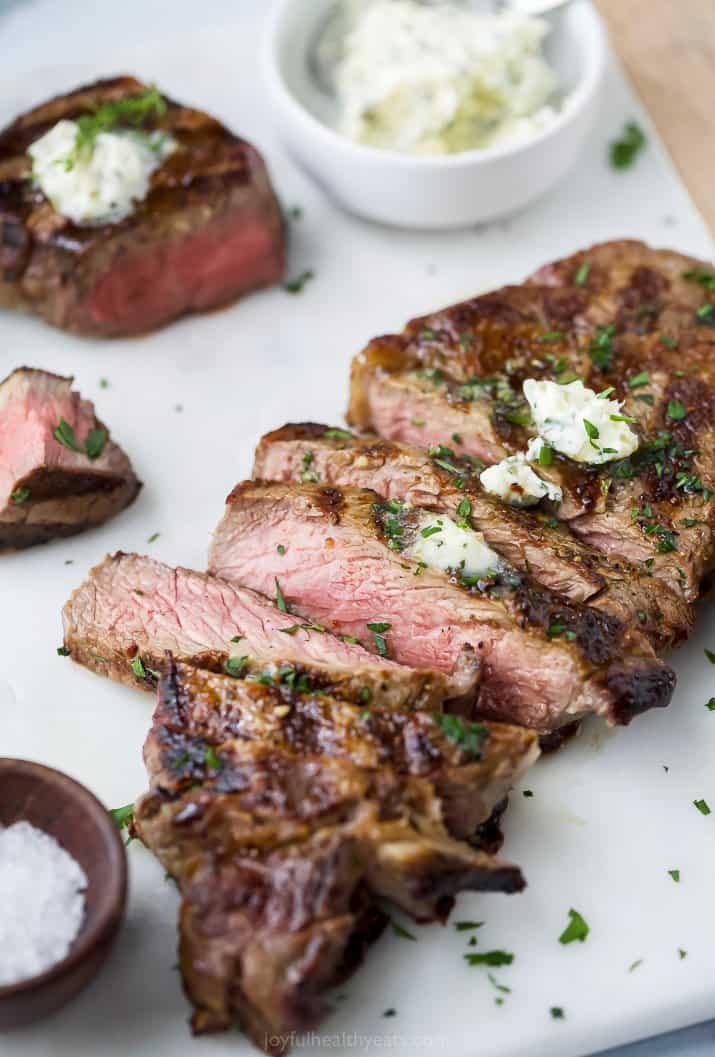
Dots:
pixel 634 965
pixel 297 285
pixel 467 926
pixel 624 151
pixel 491 958
pixel 153 538
pixel 675 874
pixel 468 736
pixel 702 806
pixel 402 932
pixel 62 651
pixel 710 654
pixel 710 705
pixel 557 1013
pixel 577 929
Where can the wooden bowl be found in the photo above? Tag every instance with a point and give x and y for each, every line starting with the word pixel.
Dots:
pixel 57 804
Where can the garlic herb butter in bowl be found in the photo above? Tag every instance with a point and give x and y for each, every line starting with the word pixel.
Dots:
pixel 429 115
pixel 437 78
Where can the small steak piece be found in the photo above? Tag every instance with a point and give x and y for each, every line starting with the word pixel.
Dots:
pixel 280 844
pixel 121 621
pixel 209 230
pixel 545 662
pixel 443 481
pixel 623 318
pixel 48 487
pixel 472 766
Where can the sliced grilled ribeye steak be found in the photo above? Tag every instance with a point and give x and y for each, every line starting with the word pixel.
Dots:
pixel 545 662
pixel 209 708
pixel 280 830
pixel 47 488
pixel 209 230
pixel 528 540
pixel 626 317
pixel 132 609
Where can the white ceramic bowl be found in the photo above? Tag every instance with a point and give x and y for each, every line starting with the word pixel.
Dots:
pixel 429 192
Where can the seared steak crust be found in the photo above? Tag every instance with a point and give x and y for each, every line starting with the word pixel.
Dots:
pixel 209 230
pixel 617 315
pixel 279 846
pixel 48 490
pixel 545 661
pixel 121 621
pixel 528 540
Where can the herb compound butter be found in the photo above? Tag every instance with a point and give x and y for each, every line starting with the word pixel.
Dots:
pixel 516 483
pixel 576 421
pixel 439 78
pixel 41 902
pixel 100 182
pixel 442 543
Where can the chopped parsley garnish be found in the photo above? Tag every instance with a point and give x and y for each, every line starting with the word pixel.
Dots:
pixel 281 549
pixel 577 929
pixel 710 654
pixel 518 418
pixel 291 630
pixel 705 313
pixel 668 342
pixel 491 958
pixel 62 651
pixel 308 475
pixel 582 274
pixel 457 438
pixel 470 737
pixel 553 335
pixel 527 793
pixel 64 434
pixel 141 671
pixel 402 932
pixel 235 666
pixel 378 628
pixel 131 110
pixel 417 422
pixel 365 693
pixel 546 455
pixel 430 530
pixel 601 350
pixel 153 538
pixel 96 440
pixel 701 276
pixel 338 434
pixel 212 760
pixel 297 285
pixel 634 965
pixel 467 926
pixel 675 874
pixel 639 380
pixel 104 383
pixel 682 953
pixel 624 151
pixel 591 431
pixel 702 806
pixel 20 495
pixel 280 600
pixel 464 510
pixel 710 705
pixel 676 411
pixel 123 816
pixel 557 1013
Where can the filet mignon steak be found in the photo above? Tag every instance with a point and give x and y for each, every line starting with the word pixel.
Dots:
pixel 59 470
pixel 209 230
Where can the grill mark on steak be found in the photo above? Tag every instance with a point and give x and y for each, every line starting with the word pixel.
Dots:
pixel 549 555
pixel 346 577
pixel 46 489
pixel 279 852
pixel 134 607
pixel 655 325
pixel 210 216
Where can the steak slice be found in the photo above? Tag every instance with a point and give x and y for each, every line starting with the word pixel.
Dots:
pixel 121 621
pixel 209 230
pixel 279 844
pixel 198 708
pixel 440 481
pixel 545 662
pixel 47 488
pixel 455 379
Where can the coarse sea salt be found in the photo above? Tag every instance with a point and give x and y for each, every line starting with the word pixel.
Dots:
pixel 41 902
